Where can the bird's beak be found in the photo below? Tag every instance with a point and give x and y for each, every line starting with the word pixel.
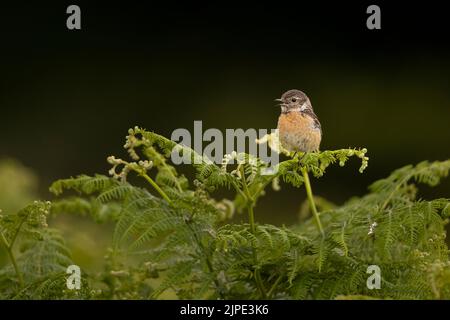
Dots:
pixel 281 104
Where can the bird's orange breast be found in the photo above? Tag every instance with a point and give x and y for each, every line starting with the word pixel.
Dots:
pixel 298 133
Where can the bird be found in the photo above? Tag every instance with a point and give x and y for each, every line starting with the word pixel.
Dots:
pixel 299 128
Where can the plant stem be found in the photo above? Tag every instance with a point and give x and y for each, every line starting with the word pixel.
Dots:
pixel 238 190
pixel 259 284
pixel 177 183
pixel 312 204
pixel 155 185
pixel 13 259
pixel 274 286
pixel 244 185
pixel 251 220
pixel 13 240
pixel 16 267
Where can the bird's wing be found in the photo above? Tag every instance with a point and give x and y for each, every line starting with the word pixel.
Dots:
pixel 311 113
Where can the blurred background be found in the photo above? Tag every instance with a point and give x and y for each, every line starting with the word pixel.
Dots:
pixel 67 98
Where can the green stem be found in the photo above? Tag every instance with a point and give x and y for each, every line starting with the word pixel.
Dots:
pixel 274 286
pixel 312 204
pixel 155 186
pixel 244 185
pixel 251 220
pixel 259 284
pixel 13 259
pixel 177 183
pixel 238 190
pixel 16 267
pixel 13 240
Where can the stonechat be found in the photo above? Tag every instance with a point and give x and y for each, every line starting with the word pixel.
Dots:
pixel 298 126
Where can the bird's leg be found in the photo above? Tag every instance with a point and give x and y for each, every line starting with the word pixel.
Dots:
pixel 301 158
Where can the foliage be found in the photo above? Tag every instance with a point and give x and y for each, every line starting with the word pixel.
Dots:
pixel 38 256
pixel 174 237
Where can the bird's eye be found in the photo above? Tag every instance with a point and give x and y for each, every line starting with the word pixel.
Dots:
pixel 294 99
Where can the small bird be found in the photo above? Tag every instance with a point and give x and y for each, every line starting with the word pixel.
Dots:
pixel 298 126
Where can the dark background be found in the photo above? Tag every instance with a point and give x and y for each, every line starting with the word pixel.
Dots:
pixel 67 98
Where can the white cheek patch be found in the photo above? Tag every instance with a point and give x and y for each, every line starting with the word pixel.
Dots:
pixel 304 106
pixel 286 109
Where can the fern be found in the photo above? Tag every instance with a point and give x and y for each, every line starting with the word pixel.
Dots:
pixel 172 238
pixel 42 256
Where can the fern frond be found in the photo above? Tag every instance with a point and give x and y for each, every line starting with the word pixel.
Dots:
pixel 322 251
pixel 175 277
pixel 83 184
pixel 424 172
pixel 99 212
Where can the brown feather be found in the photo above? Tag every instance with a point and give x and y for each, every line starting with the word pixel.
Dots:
pixel 299 131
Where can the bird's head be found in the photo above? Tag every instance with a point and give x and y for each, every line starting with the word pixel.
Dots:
pixel 294 100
